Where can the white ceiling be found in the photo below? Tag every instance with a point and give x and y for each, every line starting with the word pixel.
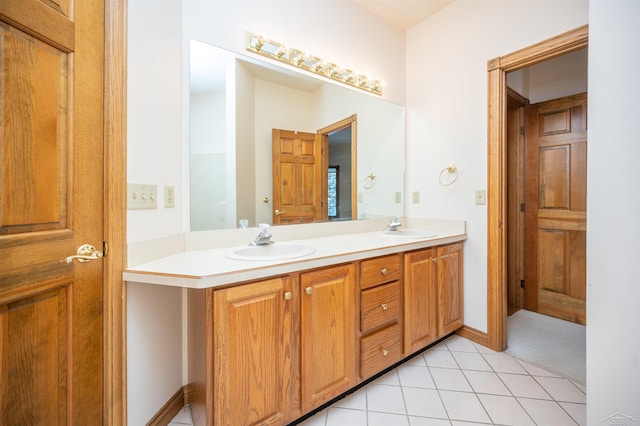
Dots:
pixel 404 13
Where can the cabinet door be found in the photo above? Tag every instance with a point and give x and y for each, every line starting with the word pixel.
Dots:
pixel 327 326
pixel 252 334
pixel 450 316
pixel 420 303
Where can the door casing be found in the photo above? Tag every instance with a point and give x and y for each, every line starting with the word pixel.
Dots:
pixel 497 169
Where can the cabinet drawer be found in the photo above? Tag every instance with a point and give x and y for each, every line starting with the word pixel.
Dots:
pixel 380 350
pixel 379 270
pixel 379 306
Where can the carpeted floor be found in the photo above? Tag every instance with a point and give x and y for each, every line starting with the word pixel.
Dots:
pixel 553 344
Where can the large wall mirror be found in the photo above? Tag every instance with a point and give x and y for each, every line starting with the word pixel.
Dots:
pixel 239 106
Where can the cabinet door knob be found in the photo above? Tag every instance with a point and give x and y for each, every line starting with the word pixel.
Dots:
pixel 384 306
pixel 384 271
pixel 287 295
pixel 384 351
pixel 308 290
pixel 443 257
pixel 435 260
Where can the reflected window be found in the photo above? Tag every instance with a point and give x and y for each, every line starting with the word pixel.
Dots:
pixel 332 202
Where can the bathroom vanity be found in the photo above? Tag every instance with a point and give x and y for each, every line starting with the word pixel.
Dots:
pixel 269 341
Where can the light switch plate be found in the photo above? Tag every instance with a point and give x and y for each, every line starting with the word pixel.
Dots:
pixel 142 196
pixel 169 196
pixel 398 197
pixel 481 196
pixel 415 197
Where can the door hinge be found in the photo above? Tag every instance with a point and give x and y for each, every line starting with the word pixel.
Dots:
pixel 521 283
pixel 522 207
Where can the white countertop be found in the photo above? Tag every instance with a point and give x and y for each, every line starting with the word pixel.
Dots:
pixel 205 268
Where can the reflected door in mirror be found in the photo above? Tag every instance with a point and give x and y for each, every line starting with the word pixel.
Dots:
pixel 298 177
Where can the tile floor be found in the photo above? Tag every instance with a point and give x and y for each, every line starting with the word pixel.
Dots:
pixel 457 382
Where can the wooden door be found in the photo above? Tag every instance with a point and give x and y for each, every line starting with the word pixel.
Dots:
pixel 327 325
pixel 555 208
pixel 253 354
pixel 450 298
pixel 51 202
pixel 515 200
pixel 298 177
pixel 420 299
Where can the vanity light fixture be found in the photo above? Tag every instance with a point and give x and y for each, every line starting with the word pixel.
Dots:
pixel 300 59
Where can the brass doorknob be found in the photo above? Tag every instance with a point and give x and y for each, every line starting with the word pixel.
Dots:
pixel 86 253
pixel 278 212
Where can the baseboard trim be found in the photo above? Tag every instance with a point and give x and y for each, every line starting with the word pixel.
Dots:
pixel 474 335
pixel 170 409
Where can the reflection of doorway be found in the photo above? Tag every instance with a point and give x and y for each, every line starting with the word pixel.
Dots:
pixel 339 175
pixel 300 164
pixel 497 171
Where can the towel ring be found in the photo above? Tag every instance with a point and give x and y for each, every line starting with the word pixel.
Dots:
pixel 369 181
pixel 453 170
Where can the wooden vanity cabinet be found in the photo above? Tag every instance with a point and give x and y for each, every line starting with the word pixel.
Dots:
pixel 380 314
pixel 270 351
pixel 450 287
pixel 327 329
pixel 432 295
pixel 267 352
pixel 252 352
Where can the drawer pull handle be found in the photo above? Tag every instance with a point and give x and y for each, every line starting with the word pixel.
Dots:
pixel 308 290
pixel 384 271
pixel 384 306
pixel 287 295
pixel 384 351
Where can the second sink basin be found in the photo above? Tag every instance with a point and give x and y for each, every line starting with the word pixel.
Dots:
pixel 271 252
pixel 410 233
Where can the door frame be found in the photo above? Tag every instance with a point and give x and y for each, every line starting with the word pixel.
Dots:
pixel 497 169
pixel 115 165
pixel 352 122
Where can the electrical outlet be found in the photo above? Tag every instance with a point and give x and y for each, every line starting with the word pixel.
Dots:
pixel 169 196
pixel 415 197
pixel 141 196
pixel 481 196
pixel 359 197
pixel 398 197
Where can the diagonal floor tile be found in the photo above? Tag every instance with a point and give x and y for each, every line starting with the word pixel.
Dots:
pixel 464 406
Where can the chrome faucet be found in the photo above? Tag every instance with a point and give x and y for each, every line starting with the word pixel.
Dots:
pixel 393 225
pixel 264 237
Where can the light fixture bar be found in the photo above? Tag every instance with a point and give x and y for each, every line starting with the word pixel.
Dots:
pixel 299 59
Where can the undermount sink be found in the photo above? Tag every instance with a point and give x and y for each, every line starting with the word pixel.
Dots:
pixel 409 233
pixel 270 252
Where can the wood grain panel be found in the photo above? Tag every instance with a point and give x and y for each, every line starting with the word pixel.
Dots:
pixel 554 123
pixel 450 287
pixel 35 352
pixel 34 149
pixel 551 256
pixel 380 270
pixel 328 323
pixel 379 306
pixel 252 320
pixel 420 298
pixel 554 179
pixel 380 350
